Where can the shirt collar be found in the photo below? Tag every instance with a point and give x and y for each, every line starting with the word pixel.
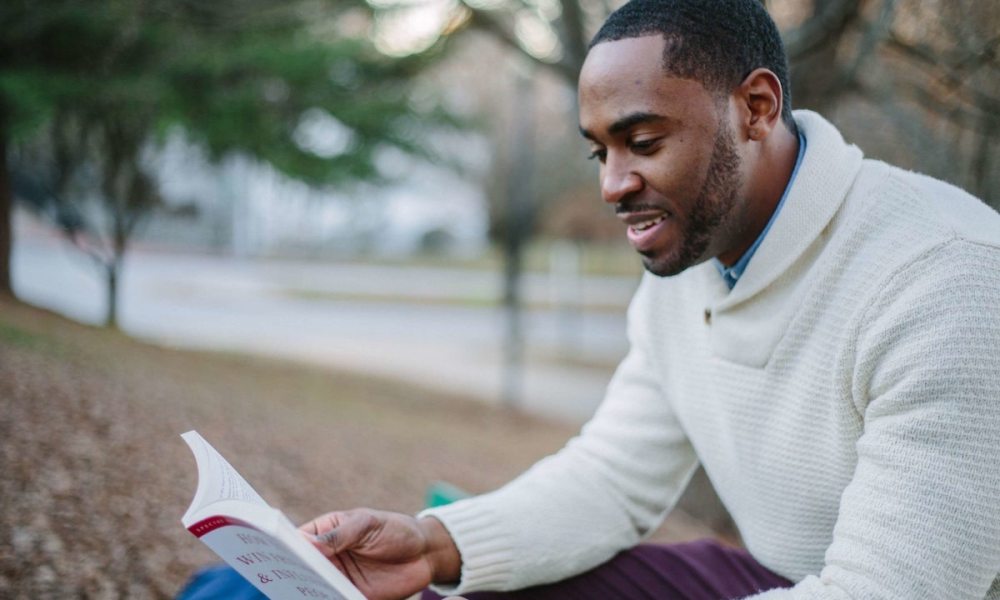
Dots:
pixel 732 274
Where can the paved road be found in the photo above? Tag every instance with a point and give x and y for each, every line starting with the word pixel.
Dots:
pixel 399 322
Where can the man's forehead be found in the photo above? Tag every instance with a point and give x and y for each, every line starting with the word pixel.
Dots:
pixel 612 61
pixel 624 78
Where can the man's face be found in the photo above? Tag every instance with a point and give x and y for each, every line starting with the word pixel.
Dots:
pixel 669 164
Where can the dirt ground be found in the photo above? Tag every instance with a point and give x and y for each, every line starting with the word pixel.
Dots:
pixel 94 476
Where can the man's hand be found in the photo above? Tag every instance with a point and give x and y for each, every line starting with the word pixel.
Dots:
pixel 386 555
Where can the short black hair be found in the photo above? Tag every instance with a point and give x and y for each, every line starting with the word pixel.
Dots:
pixel 715 42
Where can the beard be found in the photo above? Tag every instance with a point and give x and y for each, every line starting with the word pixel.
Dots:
pixel 713 209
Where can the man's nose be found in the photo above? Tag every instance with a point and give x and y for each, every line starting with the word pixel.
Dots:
pixel 618 180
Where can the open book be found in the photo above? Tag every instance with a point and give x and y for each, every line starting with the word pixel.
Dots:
pixel 255 539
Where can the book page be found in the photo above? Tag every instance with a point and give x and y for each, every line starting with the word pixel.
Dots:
pixel 217 479
pixel 272 567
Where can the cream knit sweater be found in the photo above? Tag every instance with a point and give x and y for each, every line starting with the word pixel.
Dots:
pixel 844 398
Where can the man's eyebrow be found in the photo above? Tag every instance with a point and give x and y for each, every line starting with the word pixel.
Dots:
pixel 627 122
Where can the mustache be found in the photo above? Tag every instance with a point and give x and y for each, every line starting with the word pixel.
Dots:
pixel 629 206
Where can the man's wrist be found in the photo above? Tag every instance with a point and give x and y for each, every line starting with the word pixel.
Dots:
pixel 442 553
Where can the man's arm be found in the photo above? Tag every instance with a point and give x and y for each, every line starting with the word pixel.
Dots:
pixel 921 517
pixel 607 489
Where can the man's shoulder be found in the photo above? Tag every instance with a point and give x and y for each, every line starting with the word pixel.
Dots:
pixel 913 234
pixel 924 209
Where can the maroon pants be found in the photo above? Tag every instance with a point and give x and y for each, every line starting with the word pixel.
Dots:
pixel 702 570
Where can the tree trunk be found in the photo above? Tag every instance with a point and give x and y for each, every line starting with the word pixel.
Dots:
pixel 112 272
pixel 121 230
pixel 6 230
pixel 516 234
pixel 514 339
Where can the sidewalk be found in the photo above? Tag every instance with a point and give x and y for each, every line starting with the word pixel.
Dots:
pixel 433 327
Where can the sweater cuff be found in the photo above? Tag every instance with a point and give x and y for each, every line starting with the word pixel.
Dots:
pixel 486 547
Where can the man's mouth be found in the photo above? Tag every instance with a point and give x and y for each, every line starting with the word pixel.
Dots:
pixel 645 227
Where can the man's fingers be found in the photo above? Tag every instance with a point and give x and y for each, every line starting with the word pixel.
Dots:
pixel 329 538
pixel 337 532
pixel 321 524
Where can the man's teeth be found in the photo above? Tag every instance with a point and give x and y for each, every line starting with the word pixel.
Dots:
pixel 647 224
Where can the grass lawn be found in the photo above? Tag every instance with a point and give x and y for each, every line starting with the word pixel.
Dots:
pixel 95 476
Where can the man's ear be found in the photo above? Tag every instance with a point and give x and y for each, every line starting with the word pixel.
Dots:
pixel 760 98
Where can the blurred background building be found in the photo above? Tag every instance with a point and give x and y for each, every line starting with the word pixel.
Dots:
pixel 246 208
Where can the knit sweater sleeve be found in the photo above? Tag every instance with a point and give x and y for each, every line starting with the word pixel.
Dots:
pixel 574 510
pixel 920 518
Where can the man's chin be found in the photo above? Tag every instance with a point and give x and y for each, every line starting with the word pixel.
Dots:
pixel 671 264
pixel 662 267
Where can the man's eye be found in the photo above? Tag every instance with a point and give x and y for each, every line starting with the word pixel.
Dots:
pixel 643 145
pixel 599 154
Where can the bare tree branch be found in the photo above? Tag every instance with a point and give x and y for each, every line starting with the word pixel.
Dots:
pixel 488 21
pixel 572 33
pixel 961 116
pixel 821 29
pixel 952 76
pixel 875 33
pixel 953 68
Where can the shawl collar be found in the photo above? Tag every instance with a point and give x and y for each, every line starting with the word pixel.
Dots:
pixel 748 322
pixel 828 170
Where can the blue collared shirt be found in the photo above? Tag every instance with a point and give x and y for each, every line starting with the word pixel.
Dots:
pixel 732 274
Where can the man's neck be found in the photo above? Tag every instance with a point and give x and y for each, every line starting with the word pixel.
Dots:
pixel 773 170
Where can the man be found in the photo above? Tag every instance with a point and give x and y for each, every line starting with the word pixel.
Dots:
pixel 819 331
